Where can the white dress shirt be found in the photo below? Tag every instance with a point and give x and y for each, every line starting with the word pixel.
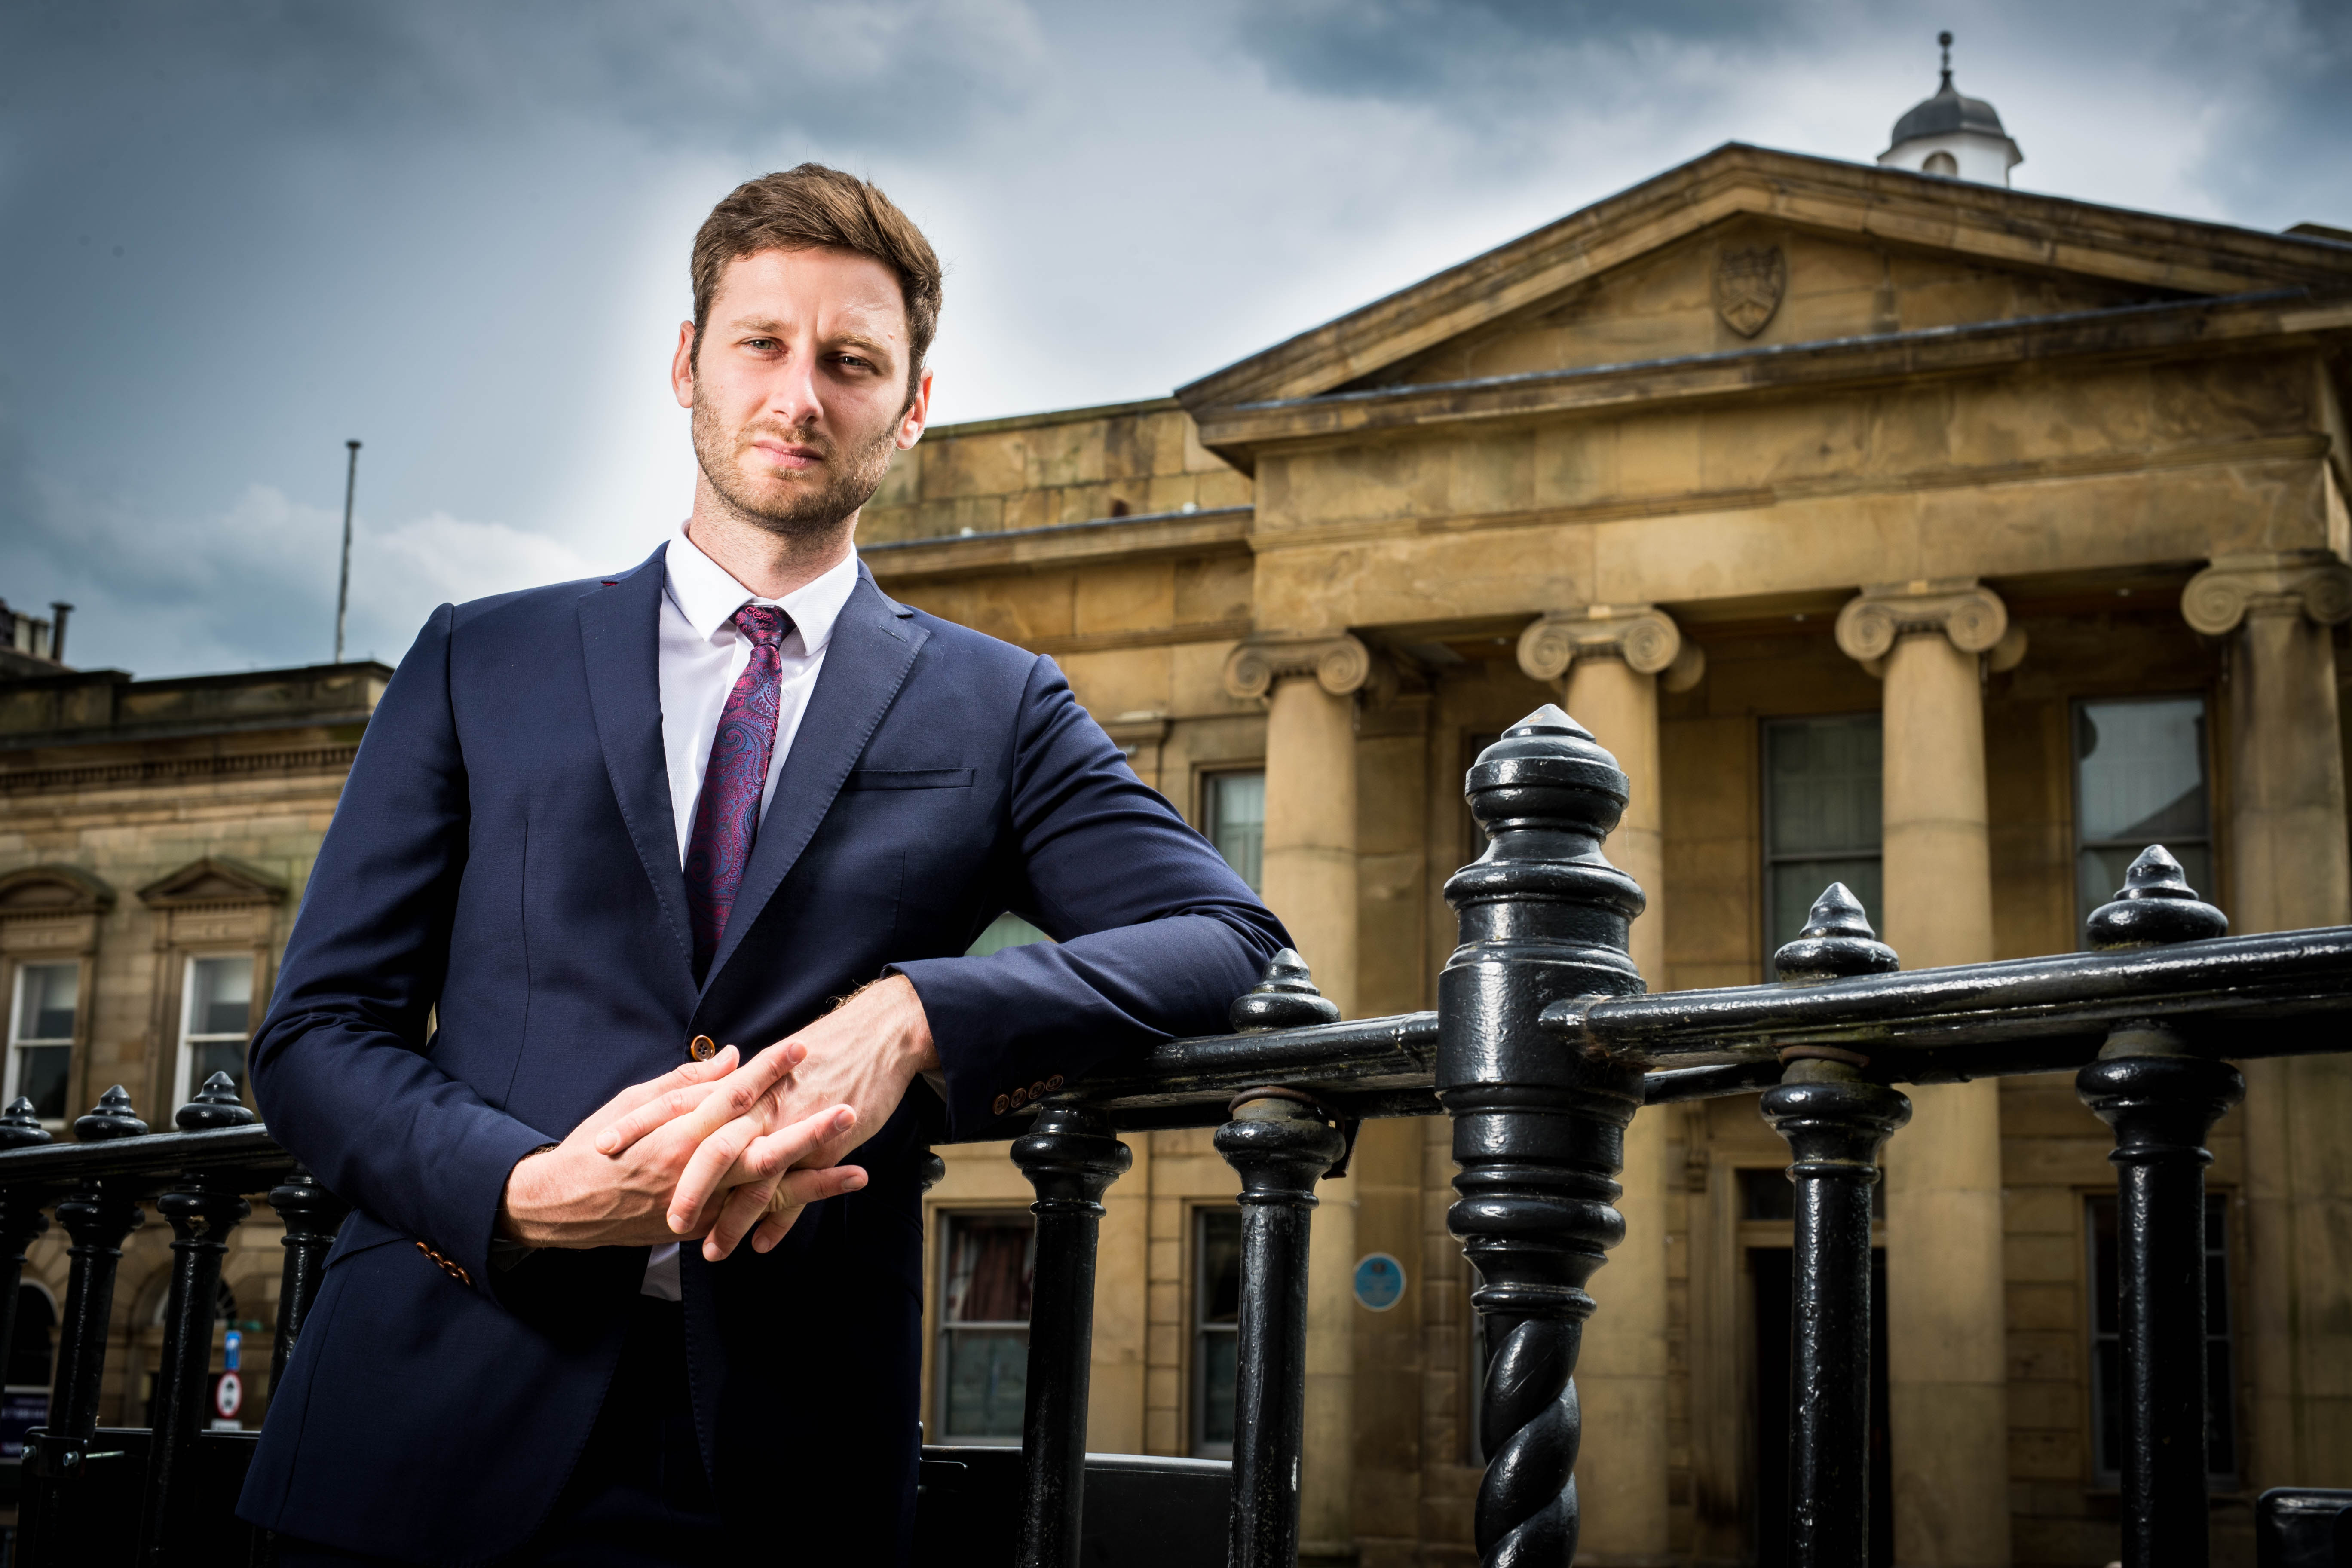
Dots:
pixel 702 656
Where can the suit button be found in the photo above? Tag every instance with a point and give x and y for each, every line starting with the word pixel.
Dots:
pixel 1054 1083
pixel 702 1048
pixel 1003 1104
pixel 1020 1097
pixel 1037 1089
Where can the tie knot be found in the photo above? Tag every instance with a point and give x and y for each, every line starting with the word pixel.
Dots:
pixel 763 624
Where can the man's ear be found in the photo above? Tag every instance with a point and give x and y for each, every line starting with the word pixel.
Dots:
pixel 681 366
pixel 918 411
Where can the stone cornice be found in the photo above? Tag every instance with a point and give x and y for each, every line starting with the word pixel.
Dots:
pixel 1340 664
pixel 1961 608
pixel 2242 324
pixel 2311 583
pixel 1645 636
pixel 174 770
pixel 909 563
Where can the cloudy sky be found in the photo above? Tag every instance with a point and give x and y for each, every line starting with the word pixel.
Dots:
pixel 234 234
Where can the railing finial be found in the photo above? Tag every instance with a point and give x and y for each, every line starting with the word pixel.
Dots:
pixel 1284 999
pixel 20 1125
pixel 1837 941
pixel 2156 906
pixel 216 1105
pixel 111 1117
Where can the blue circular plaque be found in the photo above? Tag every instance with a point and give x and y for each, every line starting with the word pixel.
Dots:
pixel 1380 1281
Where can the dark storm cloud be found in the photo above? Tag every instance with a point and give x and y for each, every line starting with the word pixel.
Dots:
pixel 885 70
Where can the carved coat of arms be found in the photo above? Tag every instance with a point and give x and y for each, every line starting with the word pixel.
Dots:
pixel 1747 287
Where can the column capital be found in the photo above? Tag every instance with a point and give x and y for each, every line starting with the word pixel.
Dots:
pixel 2312 582
pixel 1962 608
pixel 1341 663
pixel 1644 636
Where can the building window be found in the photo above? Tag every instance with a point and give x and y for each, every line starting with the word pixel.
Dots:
pixel 41 1036
pixel 2139 778
pixel 1216 1327
pixel 1233 807
pixel 2106 1344
pixel 1821 817
pixel 217 1018
pixel 988 1262
pixel 1942 163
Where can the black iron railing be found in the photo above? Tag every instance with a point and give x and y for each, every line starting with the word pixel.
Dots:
pixel 1542 1050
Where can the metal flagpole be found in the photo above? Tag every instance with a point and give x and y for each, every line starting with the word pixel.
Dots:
pixel 343 586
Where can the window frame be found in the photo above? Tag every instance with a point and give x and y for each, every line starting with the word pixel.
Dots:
pixel 184 1079
pixel 2219 1202
pixel 1198 1329
pixel 948 1217
pixel 11 1071
pixel 1204 813
pixel 1769 860
pixel 2210 842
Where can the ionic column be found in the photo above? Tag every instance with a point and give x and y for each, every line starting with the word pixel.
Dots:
pixel 1945 1308
pixel 2287 867
pixel 1309 686
pixel 1608 661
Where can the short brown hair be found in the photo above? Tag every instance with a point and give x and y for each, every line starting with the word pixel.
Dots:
pixel 813 207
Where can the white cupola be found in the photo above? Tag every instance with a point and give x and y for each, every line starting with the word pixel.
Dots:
pixel 1960 138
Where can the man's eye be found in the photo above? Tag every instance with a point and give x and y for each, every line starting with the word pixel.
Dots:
pixel 860 363
pixel 759 342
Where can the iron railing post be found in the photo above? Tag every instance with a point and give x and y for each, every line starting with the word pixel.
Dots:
pixel 2162 1101
pixel 1538 1129
pixel 202 1210
pixel 1071 1159
pixel 311 1215
pixel 1835 1120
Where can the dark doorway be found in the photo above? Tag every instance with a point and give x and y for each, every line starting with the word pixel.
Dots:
pixel 1770 1271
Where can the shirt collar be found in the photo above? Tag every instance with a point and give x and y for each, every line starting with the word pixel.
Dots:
pixel 706 595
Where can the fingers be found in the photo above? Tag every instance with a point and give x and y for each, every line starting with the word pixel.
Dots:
pixel 739 1142
pixel 737 1090
pixel 678 1087
pixel 772 1219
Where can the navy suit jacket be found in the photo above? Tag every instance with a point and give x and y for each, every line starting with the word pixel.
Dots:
pixel 494 941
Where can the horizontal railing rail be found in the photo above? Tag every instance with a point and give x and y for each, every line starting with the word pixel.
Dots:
pixel 1542 1049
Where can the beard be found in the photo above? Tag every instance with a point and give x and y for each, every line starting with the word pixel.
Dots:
pixel 778 505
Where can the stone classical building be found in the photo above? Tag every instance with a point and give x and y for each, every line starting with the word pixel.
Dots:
pixel 154 839
pixel 1911 532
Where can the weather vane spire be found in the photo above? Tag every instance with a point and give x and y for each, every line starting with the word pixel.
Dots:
pixel 1946 39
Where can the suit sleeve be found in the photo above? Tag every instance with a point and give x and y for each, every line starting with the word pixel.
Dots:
pixel 340 1066
pixel 1154 934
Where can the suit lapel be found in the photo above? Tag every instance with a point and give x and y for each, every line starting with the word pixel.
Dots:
pixel 872 648
pixel 620 637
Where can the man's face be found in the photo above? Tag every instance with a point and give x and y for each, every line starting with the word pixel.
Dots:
pixel 799 386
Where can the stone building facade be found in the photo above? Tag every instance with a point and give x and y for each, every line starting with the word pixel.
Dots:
pixel 1944 539
pixel 155 836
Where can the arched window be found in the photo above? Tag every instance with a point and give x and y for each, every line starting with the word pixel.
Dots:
pixel 1941 163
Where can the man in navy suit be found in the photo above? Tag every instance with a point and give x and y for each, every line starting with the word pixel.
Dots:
pixel 600 832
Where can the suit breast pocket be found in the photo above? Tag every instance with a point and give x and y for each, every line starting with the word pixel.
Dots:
pixel 909 778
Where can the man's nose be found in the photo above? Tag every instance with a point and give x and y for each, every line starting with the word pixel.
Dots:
pixel 792 397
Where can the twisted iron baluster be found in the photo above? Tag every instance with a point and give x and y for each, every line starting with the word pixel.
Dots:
pixel 1539 1129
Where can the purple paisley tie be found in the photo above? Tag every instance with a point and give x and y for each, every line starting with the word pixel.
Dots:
pixel 727 814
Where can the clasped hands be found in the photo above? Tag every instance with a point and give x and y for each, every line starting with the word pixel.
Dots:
pixel 728 1148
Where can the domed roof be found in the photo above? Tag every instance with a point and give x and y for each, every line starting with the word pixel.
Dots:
pixel 1946 112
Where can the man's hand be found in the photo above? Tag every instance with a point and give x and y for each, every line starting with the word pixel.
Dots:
pixel 757 1168
pixel 574 1196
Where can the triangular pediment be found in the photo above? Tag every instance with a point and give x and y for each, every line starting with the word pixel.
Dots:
pixel 212 880
pixel 53 890
pixel 1686 264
